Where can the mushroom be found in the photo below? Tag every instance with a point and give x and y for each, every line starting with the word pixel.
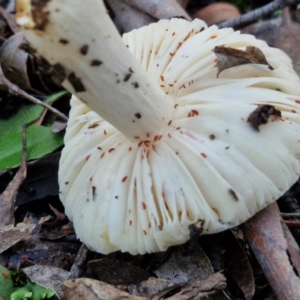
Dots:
pixel 157 141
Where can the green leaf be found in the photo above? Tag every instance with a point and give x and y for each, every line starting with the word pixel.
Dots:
pixel 6 284
pixel 40 141
pixel 32 291
pixel 26 115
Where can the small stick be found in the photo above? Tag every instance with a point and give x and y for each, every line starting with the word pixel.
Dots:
pixel 266 238
pixel 292 224
pixel 14 89
pixel 78 266
pixel 290 215
pixel 256 14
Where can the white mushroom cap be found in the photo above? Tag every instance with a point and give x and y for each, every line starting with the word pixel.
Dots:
pixel 139 193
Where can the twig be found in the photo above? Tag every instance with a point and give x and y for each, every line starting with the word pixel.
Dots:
pixel 257 14
pixel 290 215
pixel 78 266
pixel 292 224
pixel 265 235
pixel 14 89
pixel 293 248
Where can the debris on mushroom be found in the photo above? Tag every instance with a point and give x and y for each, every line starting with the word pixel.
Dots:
pixel 229 57
pixel 261 115
pixel 156 140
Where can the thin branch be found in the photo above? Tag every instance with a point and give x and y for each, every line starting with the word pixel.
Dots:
pixel 14 89
pixel 290 215
pixel 265 235
pixel 257 14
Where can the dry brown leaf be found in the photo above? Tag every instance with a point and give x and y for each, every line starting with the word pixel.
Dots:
pixel 149 287
pixel 117 272
pixel 14 61
pixel 230 57
pixel 208 288
pixel 10 234
pixel 237 265
pixel 261 115
pixel 48 277
pixel 90 289
pixel 181 267
pixel 10 20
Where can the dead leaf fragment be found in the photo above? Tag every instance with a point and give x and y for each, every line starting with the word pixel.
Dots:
pixel 14 62
pixel 181 268
pixel 48 277
pixel 234 258
pixel 149 287
pixel 90 289
pixel 10 234
pixel 208 288
pixel 230 57
pixel 261 115
pixel 117 272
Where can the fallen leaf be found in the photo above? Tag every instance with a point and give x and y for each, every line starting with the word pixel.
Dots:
pixel 10 234
pixel 13 61
pixel 149 287
pixel 28 252
pixel 261 115
pixel 181 267
pixel 230 57
pixel 208 288
pixel 58 126
pixel 117 272
pixel 234 258
pixel 48 277
pixel 90 289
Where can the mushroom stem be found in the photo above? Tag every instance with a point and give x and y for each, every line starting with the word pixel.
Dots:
pixel 79 39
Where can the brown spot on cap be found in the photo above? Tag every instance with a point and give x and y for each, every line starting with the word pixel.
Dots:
pixel 96 62
pixel 135 84
pixel 63 41
pixel 127 77
pixel 84 49
pixel 138 115
pixel 233 194
pixel 76 83
pixel 212 136
pixel 59 73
